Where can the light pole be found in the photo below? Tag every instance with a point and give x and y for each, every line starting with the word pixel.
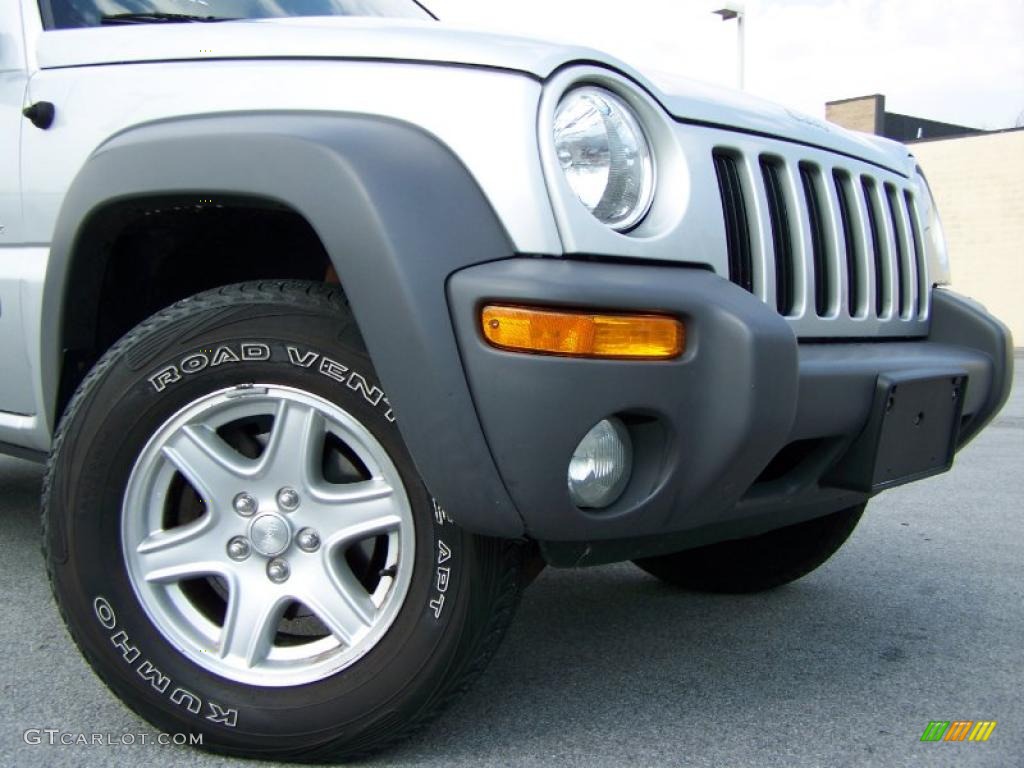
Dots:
pixel 728 12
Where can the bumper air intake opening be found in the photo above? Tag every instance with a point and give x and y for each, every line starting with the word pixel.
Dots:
pixel 790 458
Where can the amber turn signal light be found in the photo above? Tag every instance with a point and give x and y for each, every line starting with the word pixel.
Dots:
pixel 583 334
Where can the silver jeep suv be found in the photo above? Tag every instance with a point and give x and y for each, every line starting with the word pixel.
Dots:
pixel 335 325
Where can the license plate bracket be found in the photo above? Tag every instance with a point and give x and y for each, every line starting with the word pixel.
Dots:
pixel 911 433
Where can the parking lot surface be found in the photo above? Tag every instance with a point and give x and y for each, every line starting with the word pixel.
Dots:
pixel 919 617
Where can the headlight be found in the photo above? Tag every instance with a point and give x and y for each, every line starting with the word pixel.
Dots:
pixel 605 156
pixel 934 233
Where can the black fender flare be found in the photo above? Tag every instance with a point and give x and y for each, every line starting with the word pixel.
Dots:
pixel 397 212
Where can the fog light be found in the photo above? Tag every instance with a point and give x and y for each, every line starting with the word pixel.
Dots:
pixel 601 465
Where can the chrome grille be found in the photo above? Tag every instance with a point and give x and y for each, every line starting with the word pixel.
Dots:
pixel 824 238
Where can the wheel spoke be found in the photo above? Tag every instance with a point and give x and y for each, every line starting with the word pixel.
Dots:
pixel 351 493
pixel 181 553
pixel 209 464
pixel 357 510
pixel 343 605
pixel 296 442
pixel 250 623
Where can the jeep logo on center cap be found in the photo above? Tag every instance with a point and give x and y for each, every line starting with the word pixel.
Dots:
pixel 270 535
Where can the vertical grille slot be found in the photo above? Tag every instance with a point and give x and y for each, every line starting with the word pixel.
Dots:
pixel 903 282
pixel 737 222
pixel 919 259
pixel 854 248
pixel 782 237
pixel 823 278
pixel 881 275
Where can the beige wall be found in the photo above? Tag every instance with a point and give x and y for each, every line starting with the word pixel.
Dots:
pixel 864 113
pixel 978 183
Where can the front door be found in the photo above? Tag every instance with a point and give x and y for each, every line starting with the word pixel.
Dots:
pixel 15 376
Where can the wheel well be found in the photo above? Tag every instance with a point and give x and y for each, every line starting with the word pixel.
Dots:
pixel 134 258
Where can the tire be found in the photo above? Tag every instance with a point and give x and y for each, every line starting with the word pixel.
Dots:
pixel 251 414
pixel 758 563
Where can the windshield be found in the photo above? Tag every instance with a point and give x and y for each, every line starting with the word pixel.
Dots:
pixel 67 14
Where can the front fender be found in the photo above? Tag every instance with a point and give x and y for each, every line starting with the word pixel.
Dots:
pixel 396 211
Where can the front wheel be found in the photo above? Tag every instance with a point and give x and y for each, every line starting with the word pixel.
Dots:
pixel 241 546
pixel 757 563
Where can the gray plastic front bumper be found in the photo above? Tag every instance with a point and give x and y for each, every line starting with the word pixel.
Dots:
pixel 705 426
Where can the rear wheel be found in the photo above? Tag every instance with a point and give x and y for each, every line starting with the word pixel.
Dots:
pixel 757 563
pixel 240 544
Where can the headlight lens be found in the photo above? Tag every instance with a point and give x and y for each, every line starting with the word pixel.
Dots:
pixel 605 156
pixel 935 234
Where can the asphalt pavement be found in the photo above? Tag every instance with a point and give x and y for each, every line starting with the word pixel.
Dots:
pixel 919 617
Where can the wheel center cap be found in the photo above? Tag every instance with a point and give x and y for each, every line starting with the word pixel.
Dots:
pixel 270 535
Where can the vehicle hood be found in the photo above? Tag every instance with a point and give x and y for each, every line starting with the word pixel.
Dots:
pixel 435 43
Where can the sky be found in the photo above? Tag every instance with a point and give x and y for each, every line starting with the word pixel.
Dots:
pixel 959 61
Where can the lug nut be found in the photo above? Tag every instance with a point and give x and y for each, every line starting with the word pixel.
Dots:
pixel 238 548
pixel 245 505
pixel 278 570
pixel 308 540
pixel 288 499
